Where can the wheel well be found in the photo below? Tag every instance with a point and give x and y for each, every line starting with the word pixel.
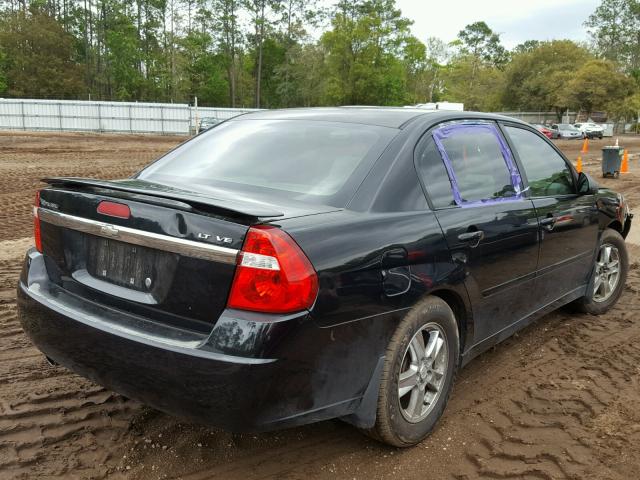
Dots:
pixel 459 308
pixel 616 225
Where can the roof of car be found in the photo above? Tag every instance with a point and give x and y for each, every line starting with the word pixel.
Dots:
pixel 393 117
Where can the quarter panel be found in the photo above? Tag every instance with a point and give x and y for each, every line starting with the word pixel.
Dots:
pixel 347 250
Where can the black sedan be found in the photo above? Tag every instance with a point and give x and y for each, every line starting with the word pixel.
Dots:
pixel 292 266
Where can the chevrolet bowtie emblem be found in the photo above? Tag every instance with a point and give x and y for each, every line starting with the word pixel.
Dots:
pixel 109 230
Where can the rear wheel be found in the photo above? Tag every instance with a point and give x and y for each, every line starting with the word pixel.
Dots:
pixel 609 275
pixel 418 374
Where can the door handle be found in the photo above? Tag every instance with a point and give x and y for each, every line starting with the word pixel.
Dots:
pixel 473 238
pixel 548 222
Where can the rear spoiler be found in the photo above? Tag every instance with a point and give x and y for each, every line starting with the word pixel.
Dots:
pixel 196 200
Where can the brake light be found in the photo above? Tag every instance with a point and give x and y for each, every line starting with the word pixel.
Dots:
pixel 273 274
pixel 37 236
pixel 114 209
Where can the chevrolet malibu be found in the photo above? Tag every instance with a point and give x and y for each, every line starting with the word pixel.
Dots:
pixel 566 131
pixel 287 267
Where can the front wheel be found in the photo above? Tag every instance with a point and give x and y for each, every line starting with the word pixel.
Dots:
pixel 609 275
pixel 419 370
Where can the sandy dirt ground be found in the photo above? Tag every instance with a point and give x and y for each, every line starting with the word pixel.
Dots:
pixel 557 401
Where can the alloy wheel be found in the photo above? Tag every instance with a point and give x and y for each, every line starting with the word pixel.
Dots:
pixel 607 272
pixel 422 373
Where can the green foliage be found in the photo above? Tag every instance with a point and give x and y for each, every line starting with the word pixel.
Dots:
pixel 537 78
pixel 299 79
pixel 478 41
pixel 242 53
pixel 475 74
pixel 628 108
pixel 615 31
pixel 474 83
pixel 596 86
pixel 204 72
pixel 37 56
pixel 3 76
pixel 525 47
pixel 369 51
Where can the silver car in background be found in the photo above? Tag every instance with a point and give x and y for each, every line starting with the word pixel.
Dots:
pixel 566 131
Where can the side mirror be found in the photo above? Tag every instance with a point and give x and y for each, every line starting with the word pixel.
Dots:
pixel 587 185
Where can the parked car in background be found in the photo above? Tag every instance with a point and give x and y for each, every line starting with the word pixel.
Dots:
pixel 292 266
pixel 543 130
pixel 590 129
pixel 565 131
pixel 207 122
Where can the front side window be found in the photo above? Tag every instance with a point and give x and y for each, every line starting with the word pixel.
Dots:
pixel 547 172
pixel 478 163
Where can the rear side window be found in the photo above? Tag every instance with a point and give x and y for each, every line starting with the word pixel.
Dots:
pixel 547 172
pixel 433 173
pixel 478 163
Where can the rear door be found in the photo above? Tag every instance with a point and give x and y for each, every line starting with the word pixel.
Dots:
pixel 489 224
pixel 568 221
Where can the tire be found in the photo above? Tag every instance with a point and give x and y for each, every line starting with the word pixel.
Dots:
pixel 431 319
pixel 596 302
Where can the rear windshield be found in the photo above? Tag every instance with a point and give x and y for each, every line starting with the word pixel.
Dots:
pixel 321 162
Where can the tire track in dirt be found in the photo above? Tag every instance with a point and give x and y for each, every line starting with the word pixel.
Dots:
pixel 576 421
pixel 52 422
pixel 25 158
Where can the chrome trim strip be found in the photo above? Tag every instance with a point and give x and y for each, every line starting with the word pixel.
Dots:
pixel 180 246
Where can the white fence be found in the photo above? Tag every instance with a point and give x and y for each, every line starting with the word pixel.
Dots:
pixel 121 117
pixel 549 118
pixel 542 117
pixel 162 118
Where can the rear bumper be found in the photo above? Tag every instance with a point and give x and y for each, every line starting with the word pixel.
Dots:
pixel 594 134
pixel 243 376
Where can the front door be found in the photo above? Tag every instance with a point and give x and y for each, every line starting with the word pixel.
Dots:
pixel 568 221
pixel 490 227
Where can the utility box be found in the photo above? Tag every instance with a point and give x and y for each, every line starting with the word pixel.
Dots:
pixel 611 161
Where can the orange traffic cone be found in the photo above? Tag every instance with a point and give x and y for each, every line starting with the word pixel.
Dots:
pixel 585 146
pixel 579 165
pixel 625 162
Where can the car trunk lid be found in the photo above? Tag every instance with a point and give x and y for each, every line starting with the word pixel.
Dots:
pixel 172 259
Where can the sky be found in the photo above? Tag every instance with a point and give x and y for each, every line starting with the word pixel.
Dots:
pixel 515 20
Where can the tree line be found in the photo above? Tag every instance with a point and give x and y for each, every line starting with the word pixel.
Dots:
pixel 288 53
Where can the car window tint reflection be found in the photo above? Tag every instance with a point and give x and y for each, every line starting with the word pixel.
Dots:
pixel 478 164
pixel 547 172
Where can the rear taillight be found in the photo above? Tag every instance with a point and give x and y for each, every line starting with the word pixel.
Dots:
pixel 36 223
pixel 273 274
